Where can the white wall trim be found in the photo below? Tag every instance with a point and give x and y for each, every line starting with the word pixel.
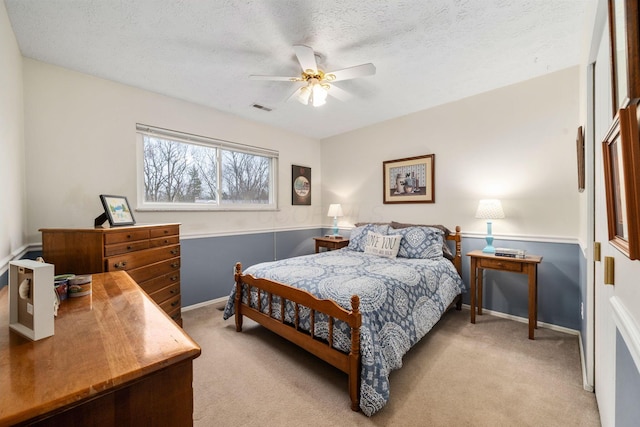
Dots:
pixel 245 232
pixel 583 367
pixel 628 328
pixel 526 320
pixel 524 237
pixel 16 254
pixel 205 303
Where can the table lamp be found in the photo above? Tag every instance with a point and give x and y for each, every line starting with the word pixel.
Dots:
pixel 335 210
pixel 489 209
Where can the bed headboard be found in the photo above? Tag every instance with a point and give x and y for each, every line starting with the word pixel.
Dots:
pixel 457 256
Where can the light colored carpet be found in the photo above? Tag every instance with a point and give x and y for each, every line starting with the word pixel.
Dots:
pixel 487 374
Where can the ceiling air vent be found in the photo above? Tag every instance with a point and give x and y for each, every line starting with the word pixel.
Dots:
pixel 261 107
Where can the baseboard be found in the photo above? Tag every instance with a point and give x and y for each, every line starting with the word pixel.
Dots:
pixel 205 303
pixel 583 367
pixel 526 320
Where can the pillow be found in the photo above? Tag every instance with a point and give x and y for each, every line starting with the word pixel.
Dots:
pixel 446 250
pixel 358 237
pixel 382 245
pixel 420 242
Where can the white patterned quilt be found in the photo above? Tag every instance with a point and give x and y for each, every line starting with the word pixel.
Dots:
pixel 400 300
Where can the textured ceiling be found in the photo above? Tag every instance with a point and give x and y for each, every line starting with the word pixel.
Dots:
pixel 426 53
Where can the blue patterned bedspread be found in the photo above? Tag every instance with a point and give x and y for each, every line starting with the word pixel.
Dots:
pixel 400 300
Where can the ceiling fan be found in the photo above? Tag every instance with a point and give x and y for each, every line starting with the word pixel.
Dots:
pixel 318 83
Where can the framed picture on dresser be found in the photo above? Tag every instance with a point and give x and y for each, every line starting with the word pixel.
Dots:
pixel 117 210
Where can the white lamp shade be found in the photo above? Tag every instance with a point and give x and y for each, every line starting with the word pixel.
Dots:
pixel 335 210
pixel 490 209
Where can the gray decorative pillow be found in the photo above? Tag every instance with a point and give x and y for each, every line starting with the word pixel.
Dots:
pixel 446 250
pixel 420 242
pixel 358 236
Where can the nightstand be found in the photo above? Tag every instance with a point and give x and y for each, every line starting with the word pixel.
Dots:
pixel 528 266
pixel 330 243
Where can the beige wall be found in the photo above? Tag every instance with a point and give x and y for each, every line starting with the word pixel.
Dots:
pixel 12 205
pixel 516 143
pixel 81 142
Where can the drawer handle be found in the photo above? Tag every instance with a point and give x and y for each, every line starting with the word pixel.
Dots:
pixel 174 278
pixel 166 241
pixel 175 251
pixel 175 265
pixel 166 231
pixel 128 248
pixel 500 264
pixel 120 264
pixel 173 291
pixel 173 304
pixel 128 236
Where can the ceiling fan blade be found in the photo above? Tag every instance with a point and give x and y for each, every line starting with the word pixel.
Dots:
pixel 295 94
pixel 306 58
pixel 351 72
pixel 338 93
pixel 275 78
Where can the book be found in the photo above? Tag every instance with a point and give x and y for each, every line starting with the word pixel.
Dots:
pixel 511 253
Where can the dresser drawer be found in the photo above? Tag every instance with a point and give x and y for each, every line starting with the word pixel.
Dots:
pixel 125 236
pixel 171 304
pixel 176 315
pixel 148 272
pixel 500 264
pixel 157 283
pixel 164 241
pixel 165 293
pixel 164 231
pixel 123 248
pixel 141 258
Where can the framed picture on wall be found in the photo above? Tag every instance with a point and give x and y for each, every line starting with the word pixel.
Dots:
pixel 580 155
pixel 409 180
pixel 300 185
pixel 621 165
pixel 625 54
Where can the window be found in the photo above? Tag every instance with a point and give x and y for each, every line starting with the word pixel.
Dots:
pixel 179 171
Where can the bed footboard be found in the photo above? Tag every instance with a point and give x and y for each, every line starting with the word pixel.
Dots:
pixel 307 339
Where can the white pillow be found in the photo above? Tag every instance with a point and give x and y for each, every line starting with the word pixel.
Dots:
pixel 382 245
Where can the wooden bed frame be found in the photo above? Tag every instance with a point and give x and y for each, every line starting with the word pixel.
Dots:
pixel 346 362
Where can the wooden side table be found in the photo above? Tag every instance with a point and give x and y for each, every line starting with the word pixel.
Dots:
pixel 330 243
pixel 528 266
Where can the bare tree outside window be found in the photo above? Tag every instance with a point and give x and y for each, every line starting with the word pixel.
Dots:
pixel 245 178
pixel 177 172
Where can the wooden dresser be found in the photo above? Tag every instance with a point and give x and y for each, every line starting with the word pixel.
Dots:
pixel 115 359
pixel 149 253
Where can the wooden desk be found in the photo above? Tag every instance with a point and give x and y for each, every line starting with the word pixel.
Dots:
pixel 330 243
pixel 115 359
pixel 528 266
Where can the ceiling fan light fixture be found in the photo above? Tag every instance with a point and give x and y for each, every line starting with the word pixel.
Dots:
pixel 319 95
pixel 304 95
pixel 314 93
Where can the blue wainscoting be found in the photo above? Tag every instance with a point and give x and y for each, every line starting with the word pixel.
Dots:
pixel 627 386
pixel 208 262
pixel 207 271
pixel 559 288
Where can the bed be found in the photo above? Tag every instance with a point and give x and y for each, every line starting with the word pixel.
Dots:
pixel 360 308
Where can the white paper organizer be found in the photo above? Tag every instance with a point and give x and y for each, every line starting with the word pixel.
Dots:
pixel 31 298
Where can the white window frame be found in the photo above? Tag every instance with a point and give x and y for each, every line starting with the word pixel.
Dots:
pixel 186 138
